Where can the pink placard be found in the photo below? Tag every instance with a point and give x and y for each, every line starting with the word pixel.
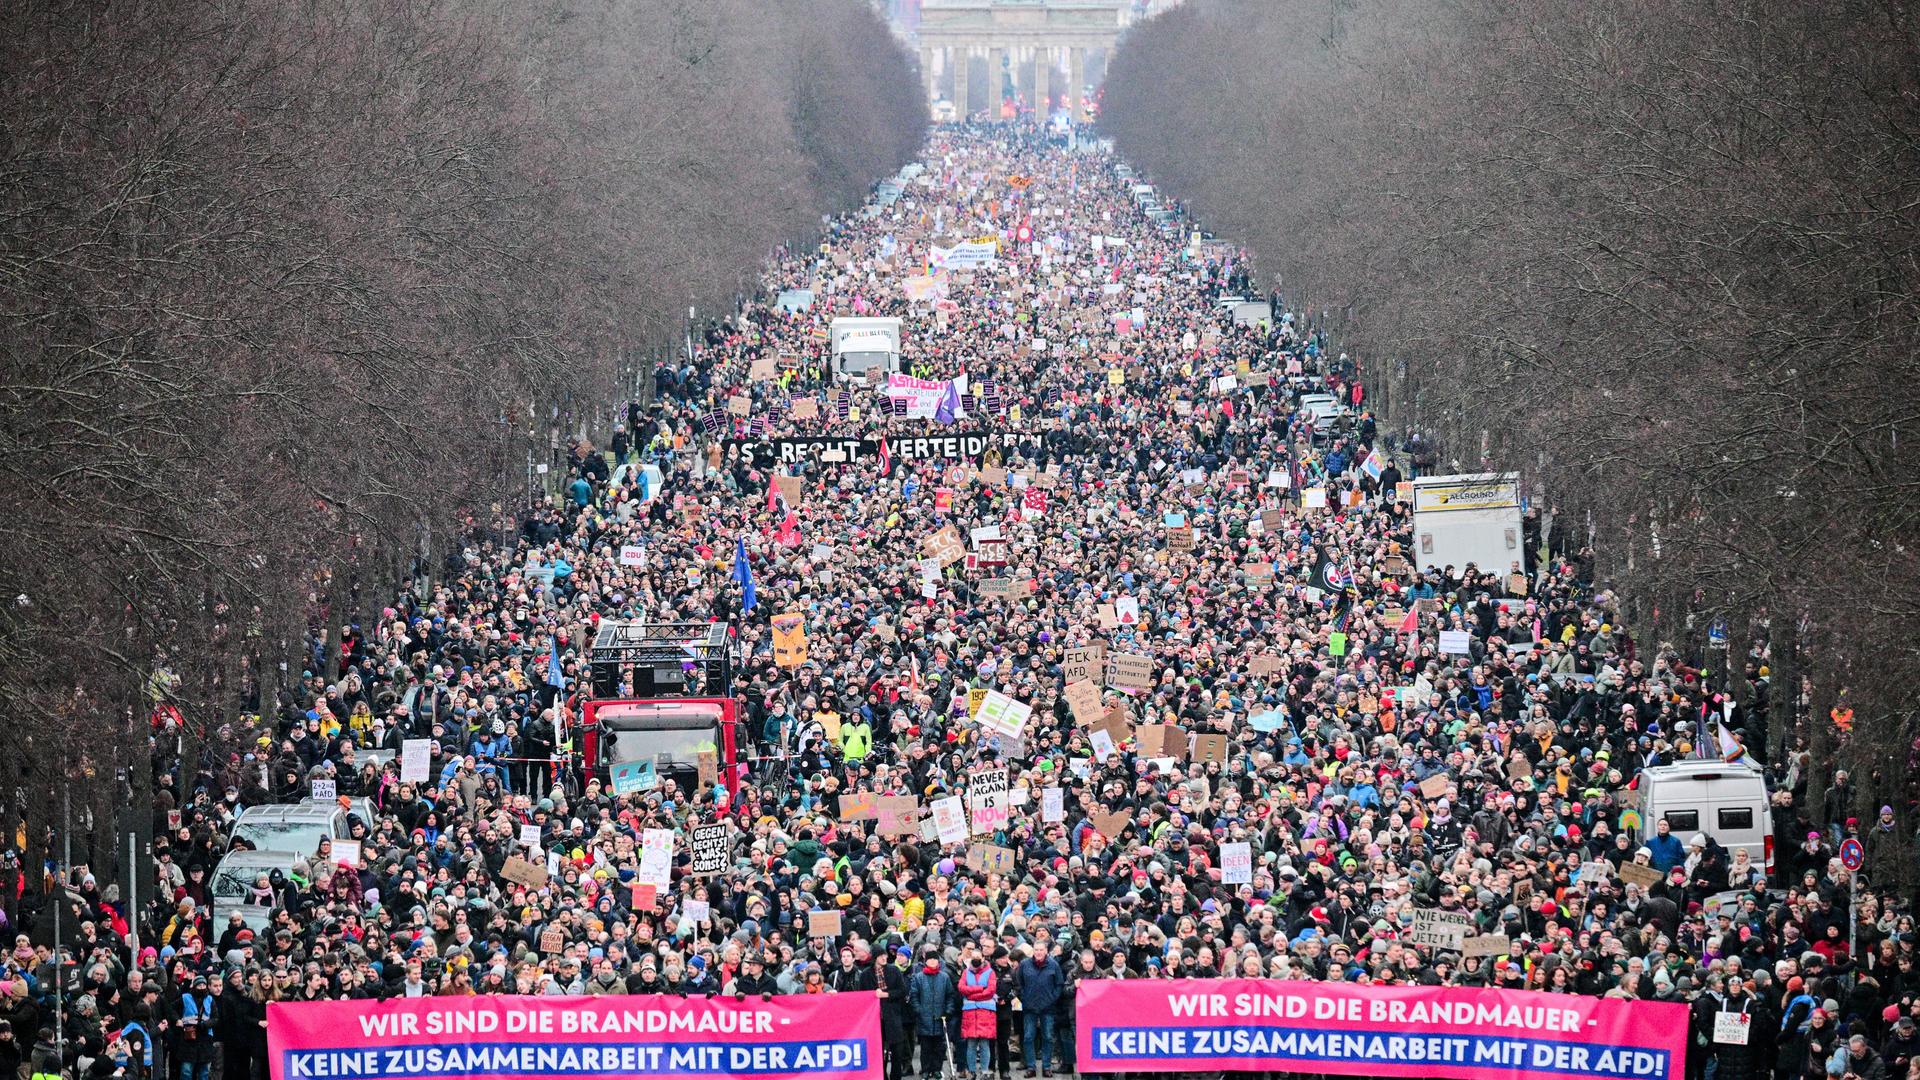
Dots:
pixel 1270 1025
pixel 804 1037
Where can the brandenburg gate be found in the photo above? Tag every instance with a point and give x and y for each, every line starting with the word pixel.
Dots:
pixel 971 49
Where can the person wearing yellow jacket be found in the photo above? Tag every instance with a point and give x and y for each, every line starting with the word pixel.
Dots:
pixel 856 738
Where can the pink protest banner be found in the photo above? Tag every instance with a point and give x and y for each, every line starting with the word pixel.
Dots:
pixel 1267 1025
pixel 806 1037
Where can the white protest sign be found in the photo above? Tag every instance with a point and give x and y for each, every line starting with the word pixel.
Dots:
pixel 987 794
pixel 699 911
pixel 1732 1029
pixel 530 836
pixel 323 790
pixel 416 758
pixel 633 555
pixel 1236 863
pixel 950 820
pixel 1002 714
pixel 346 853
pixel 656 858
pixel 1102 744
pixel 1458 642
pixel 1053 804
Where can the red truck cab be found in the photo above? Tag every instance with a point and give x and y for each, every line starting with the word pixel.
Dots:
pixel 671 732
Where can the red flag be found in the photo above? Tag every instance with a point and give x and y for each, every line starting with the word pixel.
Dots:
pixel 886 459
pixel 790 530
pixel 773 493
pixel 1412 622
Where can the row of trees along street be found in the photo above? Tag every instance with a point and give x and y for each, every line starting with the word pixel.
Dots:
pixel 290 292
pixel 1659 256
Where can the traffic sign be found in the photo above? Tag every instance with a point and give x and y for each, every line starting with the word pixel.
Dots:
pixel 1852 855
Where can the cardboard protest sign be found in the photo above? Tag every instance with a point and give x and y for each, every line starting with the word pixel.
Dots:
pixel 1129 671
pixel 739 405
pixel 1209 748
pixel 1085 662
pixel 789 489
pixel 1117 725
pixel 993 475
pixel 897 815
pixel 1106 616
pixel 521 872
pixel 859 806
pixel 1180 539
pixel 1267 664
pixel 823 924
pixel 707 762
pixel 1440 929
pixel 1110 823
pixel 1636 874
pixel 1273 519
pixel 989 858
pixel 1001 587
pixel 1161 741
pixel 762 369
pixel 553 940
pixel 1486 945
pixel 1083 697
pixel 945 546
pixel 806 408
pixel 1435 786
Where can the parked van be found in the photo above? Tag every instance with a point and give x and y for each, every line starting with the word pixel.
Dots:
pixel 295 829
pixel 232 885
pixel 1725 800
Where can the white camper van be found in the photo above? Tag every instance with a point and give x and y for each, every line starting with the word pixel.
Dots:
pixel 1725 800
pixel 862 344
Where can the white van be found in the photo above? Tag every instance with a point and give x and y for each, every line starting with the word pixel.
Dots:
pixel 1725 800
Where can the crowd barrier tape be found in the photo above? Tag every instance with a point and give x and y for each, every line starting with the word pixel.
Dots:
pixel 802 1037
pixel 1462 1033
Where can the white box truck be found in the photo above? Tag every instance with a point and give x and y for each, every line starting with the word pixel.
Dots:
pixel 862 344
pixel 1467 518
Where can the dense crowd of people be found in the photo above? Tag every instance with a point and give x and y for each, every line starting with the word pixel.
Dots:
pixel 1155 506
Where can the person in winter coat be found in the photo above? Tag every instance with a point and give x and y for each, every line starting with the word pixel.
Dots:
pixel 932 998
pixel 1040 984
pixel 193 1023
pixel 753 979
pixel 978 1010
pixel 891 979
